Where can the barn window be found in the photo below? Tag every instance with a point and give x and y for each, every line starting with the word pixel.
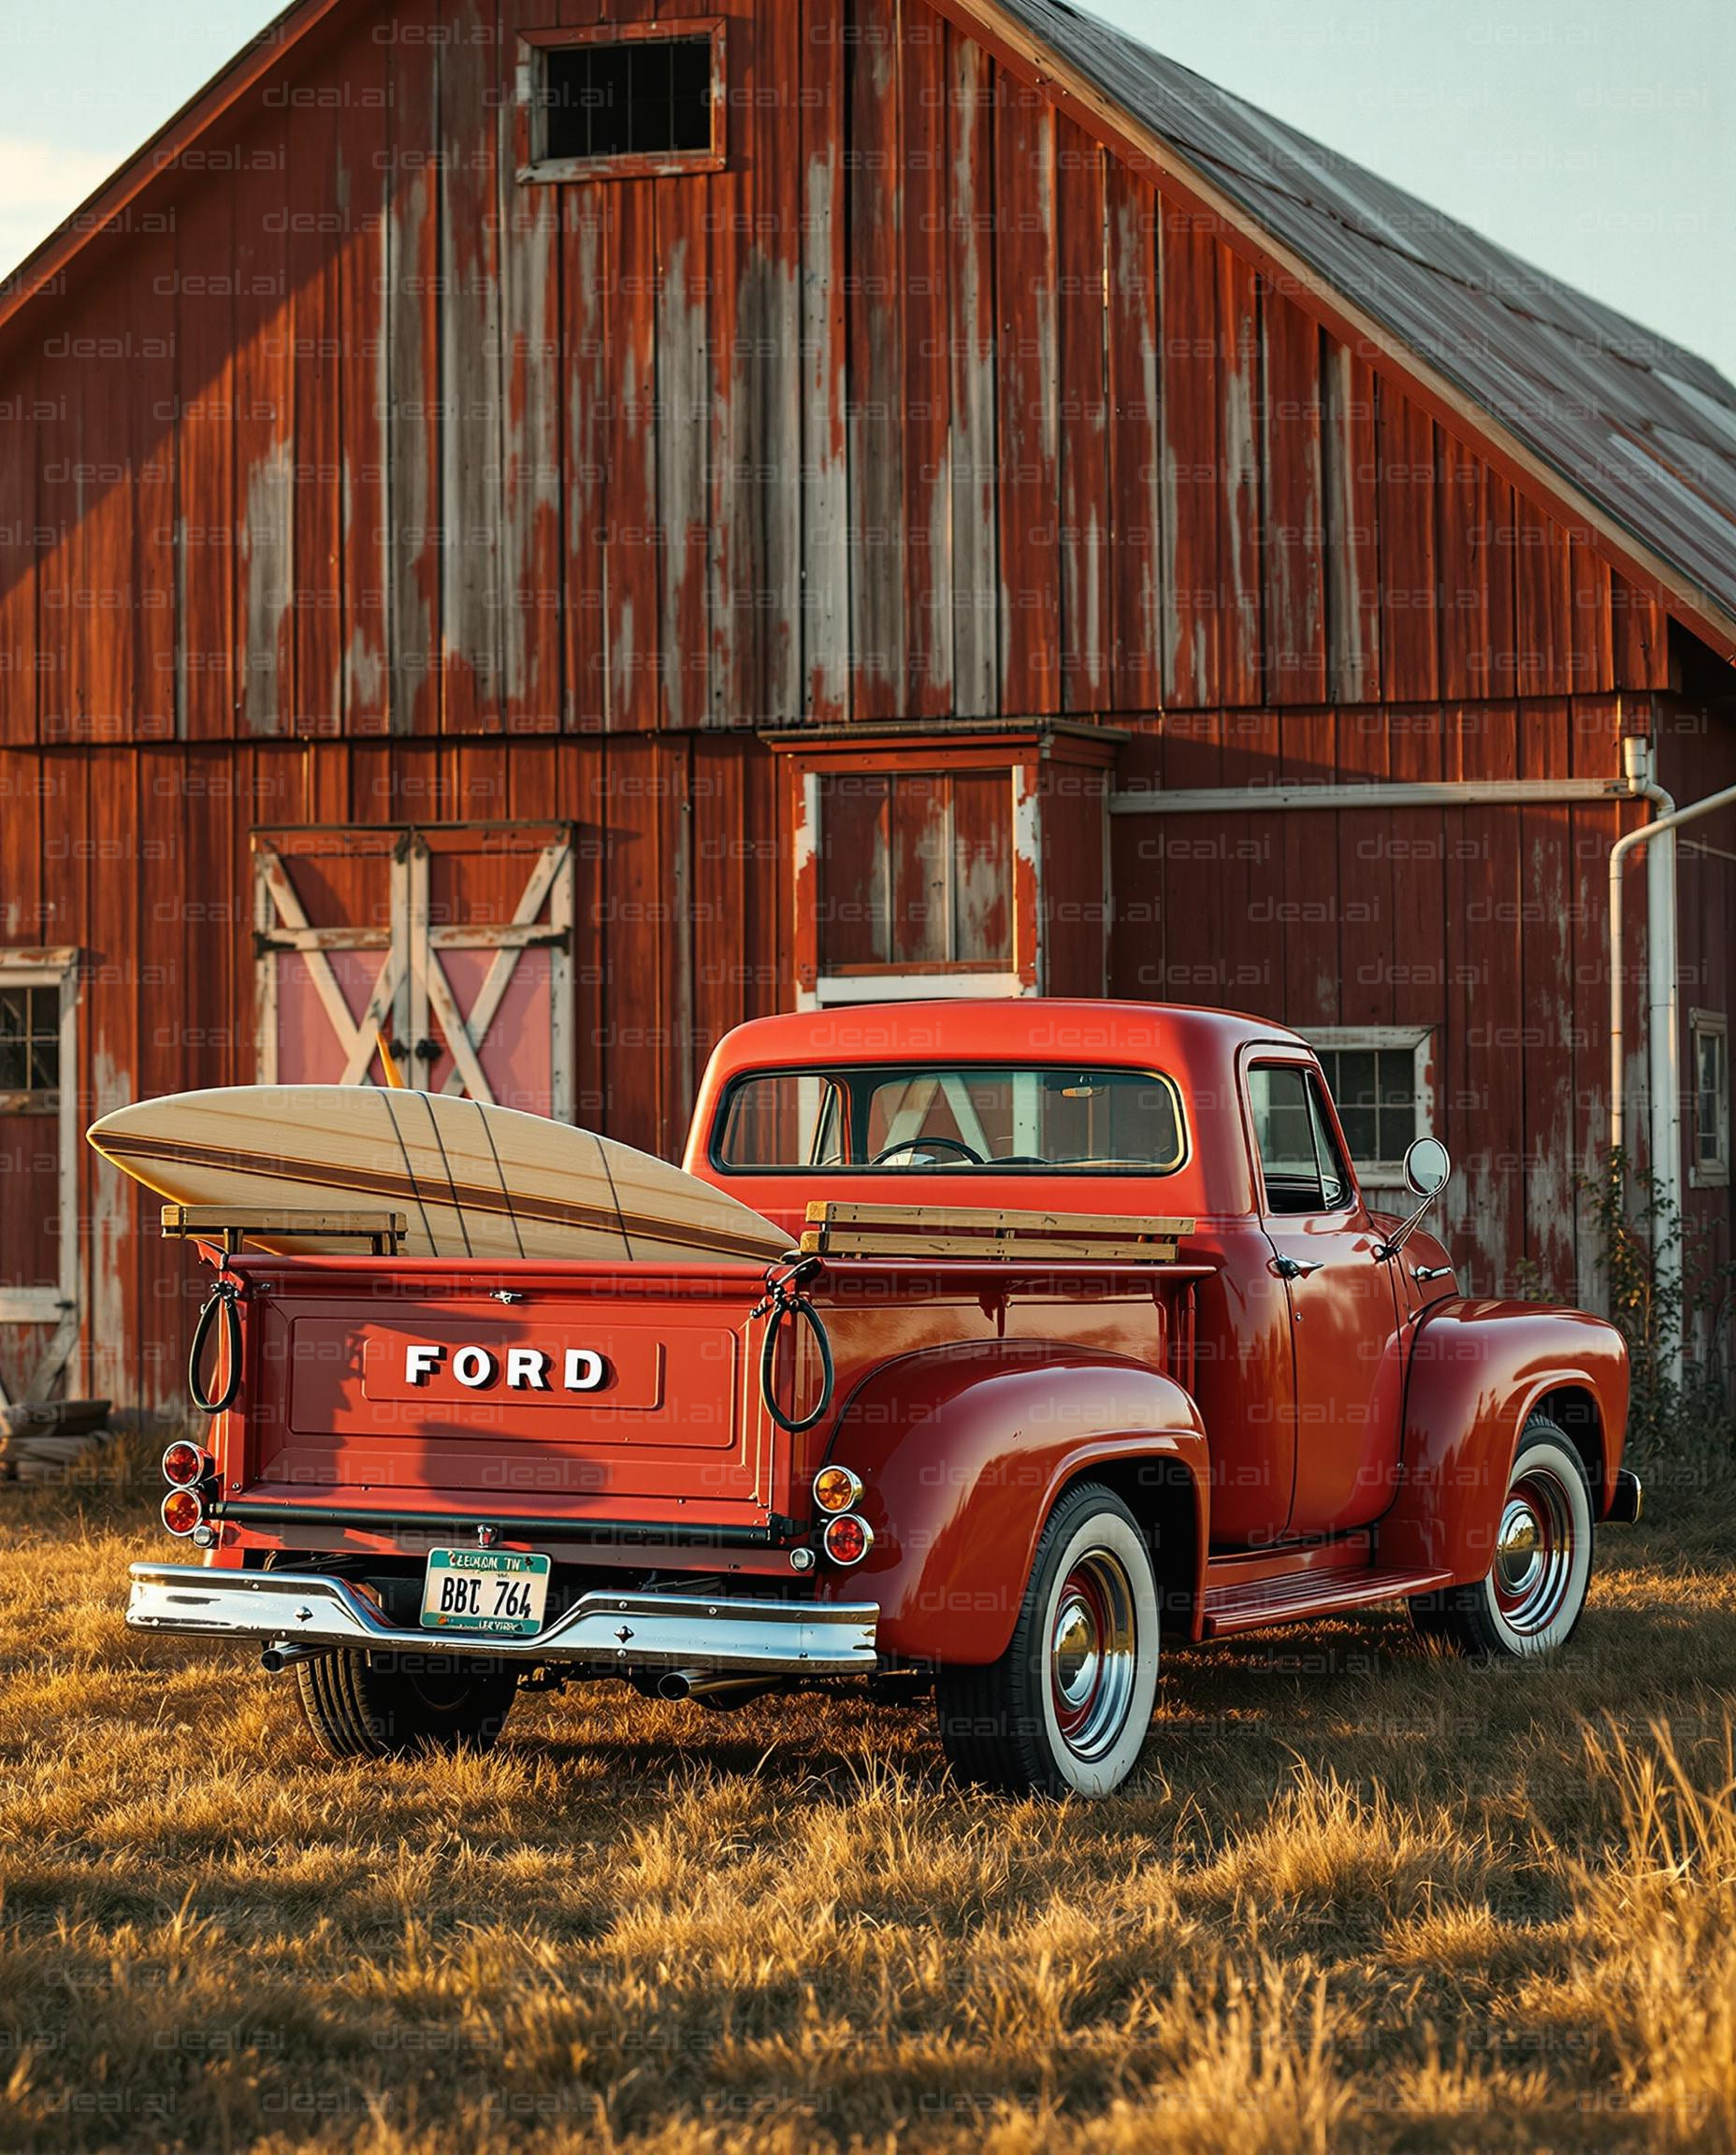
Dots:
pixel 619 101
pixel 1709 1167
pixel 974 863
pixel 1380 1081
pixel 916 873
pixel 30 1048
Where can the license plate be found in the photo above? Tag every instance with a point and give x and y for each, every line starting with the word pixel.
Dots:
pixel 497 1591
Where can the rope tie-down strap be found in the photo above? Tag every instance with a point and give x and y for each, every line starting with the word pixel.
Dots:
pixel 785 1303
pixel 223 1303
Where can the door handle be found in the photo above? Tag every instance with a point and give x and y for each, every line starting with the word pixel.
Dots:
pixel 1296 1268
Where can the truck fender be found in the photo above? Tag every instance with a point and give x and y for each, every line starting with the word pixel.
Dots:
pixel 962 1452
pixel 1477 1371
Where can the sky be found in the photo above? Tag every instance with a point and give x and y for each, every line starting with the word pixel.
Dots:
pixel 1596 137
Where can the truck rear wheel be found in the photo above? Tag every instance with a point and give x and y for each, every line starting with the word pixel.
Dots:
pixel 1066 1707
pixel 364 1706
pixel 1531 1596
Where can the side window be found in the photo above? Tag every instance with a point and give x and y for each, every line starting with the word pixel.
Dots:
pixel 1300 1160
pixel 1708 1165
pixel 1334 1174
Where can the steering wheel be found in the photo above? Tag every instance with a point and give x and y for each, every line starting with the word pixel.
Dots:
pixel 923 1144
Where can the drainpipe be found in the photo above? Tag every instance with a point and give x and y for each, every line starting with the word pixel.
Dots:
pixel 1657 837
pixel 1663 1002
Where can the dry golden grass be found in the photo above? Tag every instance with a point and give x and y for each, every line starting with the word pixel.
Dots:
pixel 1360 1897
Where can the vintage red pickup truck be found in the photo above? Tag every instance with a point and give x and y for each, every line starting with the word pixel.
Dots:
pixel 1141 1359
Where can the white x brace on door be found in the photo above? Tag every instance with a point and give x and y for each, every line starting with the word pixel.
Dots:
pixel 454 942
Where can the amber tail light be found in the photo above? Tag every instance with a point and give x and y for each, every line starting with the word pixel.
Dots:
pixel 183 1511
pixel 836 1489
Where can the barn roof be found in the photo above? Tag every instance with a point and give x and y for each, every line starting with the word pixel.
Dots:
pixel 1638 430
pixel 1637 426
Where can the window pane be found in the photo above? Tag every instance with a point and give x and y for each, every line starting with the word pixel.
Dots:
pixel 609 99
pixel 643 97
pixel 1337 1181
pixel 651 127
pixel 854 916
pixel 1362 1132
pixel 29 1039
pixel 566 99
pixel 780 1120
pixel 1711 1081
pixel 690 93
pixel 1284 1137
pixel 958 1118
pixel 1398 1080
pixel 1355 1084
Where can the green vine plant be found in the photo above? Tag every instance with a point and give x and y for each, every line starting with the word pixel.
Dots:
pixel 1661 1286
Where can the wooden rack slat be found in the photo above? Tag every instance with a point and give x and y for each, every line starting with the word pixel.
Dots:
pixel 852 1229
pixel 233 1224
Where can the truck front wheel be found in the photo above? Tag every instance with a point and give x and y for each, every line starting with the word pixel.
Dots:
pixel 1531 1596
pixel 1066 1707
pixel 364 1706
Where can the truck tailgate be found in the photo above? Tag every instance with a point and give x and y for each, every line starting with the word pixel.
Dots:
pixel 579 1390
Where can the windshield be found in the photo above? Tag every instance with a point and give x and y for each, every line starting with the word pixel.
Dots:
pixel 1057 1118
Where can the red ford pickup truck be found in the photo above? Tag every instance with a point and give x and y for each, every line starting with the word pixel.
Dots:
pixel 1096 1338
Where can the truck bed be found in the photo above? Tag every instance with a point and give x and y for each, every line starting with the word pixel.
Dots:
pixel 611 1407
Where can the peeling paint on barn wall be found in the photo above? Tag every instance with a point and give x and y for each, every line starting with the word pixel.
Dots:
pixel 1105 471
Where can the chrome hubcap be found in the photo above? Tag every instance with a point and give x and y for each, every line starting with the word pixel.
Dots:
pixel 1534 1553
pixel 1091 1647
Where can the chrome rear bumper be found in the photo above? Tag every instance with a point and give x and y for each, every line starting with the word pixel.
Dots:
pixel 610 1634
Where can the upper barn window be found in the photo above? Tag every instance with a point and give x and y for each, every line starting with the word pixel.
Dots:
pixel 628 100
pixel 30 1020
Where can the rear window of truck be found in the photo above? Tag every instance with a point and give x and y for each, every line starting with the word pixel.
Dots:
pixel 1055 1118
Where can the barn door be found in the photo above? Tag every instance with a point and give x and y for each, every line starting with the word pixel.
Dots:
pixel 39 1169
pixel 455 943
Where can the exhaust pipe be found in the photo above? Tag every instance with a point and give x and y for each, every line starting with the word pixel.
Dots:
pixel 721 1693
pixel 282 1653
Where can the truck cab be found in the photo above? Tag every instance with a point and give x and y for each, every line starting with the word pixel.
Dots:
pixel 1086 1337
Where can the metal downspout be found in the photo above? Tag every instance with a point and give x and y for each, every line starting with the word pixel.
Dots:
pixel 1663 997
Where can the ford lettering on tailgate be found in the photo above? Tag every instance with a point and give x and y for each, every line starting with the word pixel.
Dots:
pixel 619 1369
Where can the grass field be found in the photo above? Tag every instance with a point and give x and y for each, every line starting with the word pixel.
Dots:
pixel 1357 1897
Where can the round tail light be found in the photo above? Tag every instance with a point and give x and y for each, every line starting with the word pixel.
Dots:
pixel 847 1538
pixel 184 1464
pixel 182 1512
pixel 836 1489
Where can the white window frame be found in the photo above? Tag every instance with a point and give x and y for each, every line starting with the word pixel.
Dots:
pixel 1714 1024
pixel 58 1305
pixel 1387 1039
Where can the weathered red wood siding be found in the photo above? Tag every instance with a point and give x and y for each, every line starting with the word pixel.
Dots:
pixel 924 405
pixel 363 484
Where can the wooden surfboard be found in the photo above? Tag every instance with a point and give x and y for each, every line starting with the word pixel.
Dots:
pixel 473 1181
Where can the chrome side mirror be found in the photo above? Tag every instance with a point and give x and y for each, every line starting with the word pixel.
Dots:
pixel 1428 1167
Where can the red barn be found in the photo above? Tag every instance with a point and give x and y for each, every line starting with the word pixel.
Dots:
pixel 552 530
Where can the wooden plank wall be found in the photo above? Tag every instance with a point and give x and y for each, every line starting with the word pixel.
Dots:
pixel 922 407
pixel 141 856
pixel 373 486
pixel 1484 926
